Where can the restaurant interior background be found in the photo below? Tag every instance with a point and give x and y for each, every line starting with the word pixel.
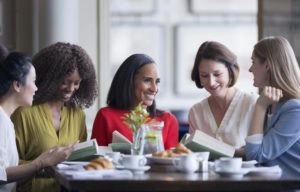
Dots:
pixel 170 31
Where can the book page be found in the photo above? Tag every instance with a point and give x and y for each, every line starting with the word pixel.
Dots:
pixel 85 144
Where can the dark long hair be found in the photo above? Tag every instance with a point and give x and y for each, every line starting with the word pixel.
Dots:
pixel 15 67
pixel 121 91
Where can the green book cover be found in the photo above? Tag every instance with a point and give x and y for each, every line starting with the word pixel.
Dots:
pixel 200 141
pixel 84 151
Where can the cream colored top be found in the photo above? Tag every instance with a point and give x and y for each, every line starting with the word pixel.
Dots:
pixel 235 124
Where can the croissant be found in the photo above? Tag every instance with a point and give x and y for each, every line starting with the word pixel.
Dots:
pixel 98 164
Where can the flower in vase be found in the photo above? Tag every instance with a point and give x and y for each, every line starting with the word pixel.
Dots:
pixel 136 117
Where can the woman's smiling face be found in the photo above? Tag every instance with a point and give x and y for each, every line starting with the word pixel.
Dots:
pixel 68 87
pixel 146 84
pixel 214 76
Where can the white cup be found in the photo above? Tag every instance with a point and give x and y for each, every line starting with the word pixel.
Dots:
pixel 133 161
pixel 228 164
pixel 203 165
pixel 204 155
pixel 114 156
pixel 188 163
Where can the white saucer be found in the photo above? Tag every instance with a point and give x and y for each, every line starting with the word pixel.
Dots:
pixel 249 164
pixel 232 174
pixel 135 170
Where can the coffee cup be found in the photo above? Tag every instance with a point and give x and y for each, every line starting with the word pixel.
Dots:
pixel 133 161
pixel 228 164
pixel 188 163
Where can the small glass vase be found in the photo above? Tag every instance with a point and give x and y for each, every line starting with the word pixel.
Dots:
pixel 148 139
pixel 137 142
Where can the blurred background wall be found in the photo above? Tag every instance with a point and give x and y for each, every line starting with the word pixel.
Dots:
pixel 170 31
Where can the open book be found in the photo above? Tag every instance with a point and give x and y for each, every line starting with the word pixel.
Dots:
pixel 200 141
pixel 120 143
pixel 84 151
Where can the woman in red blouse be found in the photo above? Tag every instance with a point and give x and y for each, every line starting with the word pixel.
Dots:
pixel 136 80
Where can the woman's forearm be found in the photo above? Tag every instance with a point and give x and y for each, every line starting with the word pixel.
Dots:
pixel 257 123
pixel 24 171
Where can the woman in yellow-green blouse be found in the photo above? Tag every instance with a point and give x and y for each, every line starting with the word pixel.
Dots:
pixel 66 84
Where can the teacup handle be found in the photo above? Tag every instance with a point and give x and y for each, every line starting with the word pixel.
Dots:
pixel 217 164
pixel 142 161
pixel 175 162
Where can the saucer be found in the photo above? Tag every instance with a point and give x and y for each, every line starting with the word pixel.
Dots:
pixel 232 174
pixel 249 164
pixel 135 170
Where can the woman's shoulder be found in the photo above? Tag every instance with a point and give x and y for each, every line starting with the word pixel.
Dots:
pixel 166 114
pixel 290 105
pixel 201 105
pixel 29 110
pixel 249 95
pixel 111 111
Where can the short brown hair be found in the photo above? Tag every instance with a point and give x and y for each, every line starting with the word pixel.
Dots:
pixel 218 52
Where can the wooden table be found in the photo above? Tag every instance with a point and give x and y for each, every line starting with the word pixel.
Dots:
pixel 174 181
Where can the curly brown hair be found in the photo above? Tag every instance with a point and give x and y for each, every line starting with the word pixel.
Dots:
pixel 54 63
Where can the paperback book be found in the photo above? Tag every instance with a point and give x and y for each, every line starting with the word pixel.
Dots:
pixel 84 151
pixel 200 141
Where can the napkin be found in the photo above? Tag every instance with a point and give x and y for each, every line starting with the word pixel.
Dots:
pixel 99 174
pixel 274 170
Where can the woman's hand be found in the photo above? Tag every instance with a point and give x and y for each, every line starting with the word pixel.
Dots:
pixel 53 156
pixel 269 96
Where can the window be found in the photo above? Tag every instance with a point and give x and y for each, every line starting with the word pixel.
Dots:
pixel 172 38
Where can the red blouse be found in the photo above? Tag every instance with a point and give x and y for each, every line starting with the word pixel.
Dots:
pixel 108 119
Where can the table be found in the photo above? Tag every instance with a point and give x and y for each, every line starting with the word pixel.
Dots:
pixel 173 181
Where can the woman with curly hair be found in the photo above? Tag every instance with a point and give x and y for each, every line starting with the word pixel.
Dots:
pixel 66 83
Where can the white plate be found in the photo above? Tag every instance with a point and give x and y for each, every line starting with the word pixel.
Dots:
pixel 75 162
pixel 135 170
pixel 232 174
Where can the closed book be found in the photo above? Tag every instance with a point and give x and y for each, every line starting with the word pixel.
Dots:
pixel 120 143
pixel 200 141
pixel 84 151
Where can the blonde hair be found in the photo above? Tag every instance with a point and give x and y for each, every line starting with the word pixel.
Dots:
pixel 284 68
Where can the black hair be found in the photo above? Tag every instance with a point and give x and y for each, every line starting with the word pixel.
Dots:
pixel 15 67
pixel 54 63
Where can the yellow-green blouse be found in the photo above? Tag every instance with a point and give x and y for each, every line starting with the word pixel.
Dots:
pixel 35 133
